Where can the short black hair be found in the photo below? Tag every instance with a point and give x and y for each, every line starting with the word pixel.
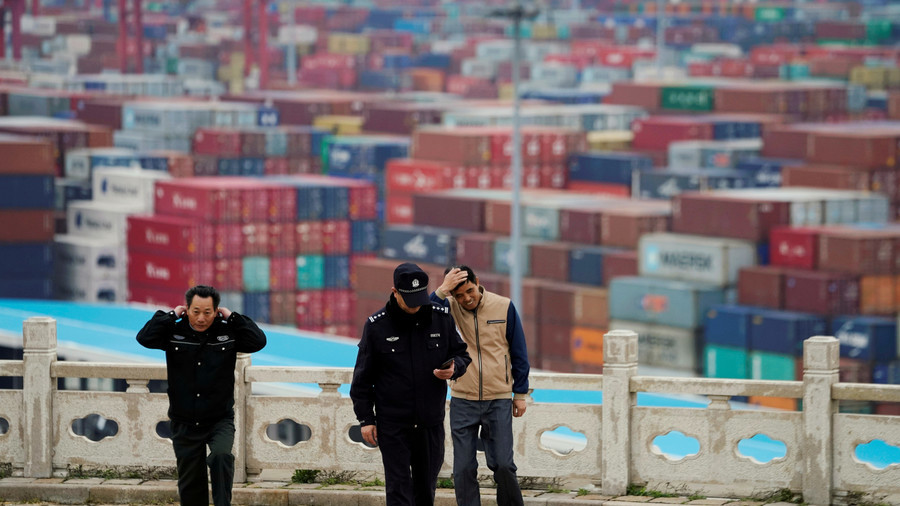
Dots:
pixel 203 292
pixel 470 274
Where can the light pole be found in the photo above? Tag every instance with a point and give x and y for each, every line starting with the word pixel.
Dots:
pixel 517 12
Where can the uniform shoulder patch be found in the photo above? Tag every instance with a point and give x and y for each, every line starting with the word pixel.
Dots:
pixel 377 316
pixel 440 309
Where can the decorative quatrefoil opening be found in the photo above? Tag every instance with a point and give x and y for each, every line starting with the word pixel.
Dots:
pixel 675 446
pixel 761 449
pixel 288 432
pixel 355 435
pixel 164 429
pixel 878 454
pixel 94 427
pixel 4 426
pixel 563 440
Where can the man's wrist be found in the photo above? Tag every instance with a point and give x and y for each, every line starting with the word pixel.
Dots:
pixel 520 397
pixel 440 293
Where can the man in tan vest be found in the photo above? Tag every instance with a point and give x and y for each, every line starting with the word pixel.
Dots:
pixel 493 389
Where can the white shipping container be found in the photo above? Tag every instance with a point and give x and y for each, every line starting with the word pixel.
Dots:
pixel 42 26
pixel 128 185
pixel 80 163
pixel 481 68
pixel 665 347
pixel 554 74
pixel 495 50
pixel 89 257
pixel 84 289
pixel 694 258
pixel 99 219
pixel 297 34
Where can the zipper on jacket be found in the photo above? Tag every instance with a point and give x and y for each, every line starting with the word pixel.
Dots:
pixel 480 371
pixel 506 367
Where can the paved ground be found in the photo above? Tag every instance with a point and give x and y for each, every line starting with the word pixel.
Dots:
pixel 98 491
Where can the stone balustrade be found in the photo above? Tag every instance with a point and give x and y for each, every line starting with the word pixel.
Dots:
pixel 821 443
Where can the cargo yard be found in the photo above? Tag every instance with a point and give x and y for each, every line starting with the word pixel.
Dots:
pixel 720 177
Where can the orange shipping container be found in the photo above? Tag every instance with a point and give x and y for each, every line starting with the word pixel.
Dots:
pixel 785 403
pixel 877 294
pixel 587 345
pixel 427 79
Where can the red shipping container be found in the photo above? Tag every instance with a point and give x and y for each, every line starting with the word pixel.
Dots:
pixel 859 251
pixel 466 146
pixel 550 260
pixel 155 296
pixel 409 175
pixel 217 142
pixel 282 274
pixel 646 95
pixel 554 340
pixel 761 285
pixel 27 225
pixel 310 308
pixel 336 237
pixel 580 225
pixel 309 237
pixel 26 155
pixel 451 210
pixel 169 272
pixel 197 199
pixel 718 214
pixel 874 149
pixel 374 275
pixel 656 132
pixel 778 54
pixel 228 240
pixel 398 208
pixel 170 235
pixel 624 227
pixel 228 274
pixel 619 263
pixel 794 246
pixel 554 176
pixel 605 189
pixel 337 306
pixel 476 250
pixel 822 293
pixel 281 308
pixel 255 239
pixel 497 216
pixel 820 176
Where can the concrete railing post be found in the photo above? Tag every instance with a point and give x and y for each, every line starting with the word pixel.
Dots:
pixel 821 361
pixel 620 356
pixel 242 392
pixel 39 353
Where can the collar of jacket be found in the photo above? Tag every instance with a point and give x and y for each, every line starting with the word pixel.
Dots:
pixel 423 315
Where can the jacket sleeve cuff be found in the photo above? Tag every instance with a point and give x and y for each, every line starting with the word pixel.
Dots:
pixel 518 397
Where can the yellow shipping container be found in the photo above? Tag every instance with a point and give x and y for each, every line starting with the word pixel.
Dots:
pixel 873 78
pixel 348 43
pixel 610 140
pixel 340 125
pixel 505 91
pixel 543 32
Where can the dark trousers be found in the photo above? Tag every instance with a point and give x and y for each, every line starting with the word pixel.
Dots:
pixel 412 456
pixel 494 418
pixel 190 444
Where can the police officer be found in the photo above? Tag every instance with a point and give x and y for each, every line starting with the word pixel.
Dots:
pixel 407 352
pixel 201 341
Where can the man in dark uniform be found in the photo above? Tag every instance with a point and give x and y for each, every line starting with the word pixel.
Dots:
pixel 408 351
pixel 201 341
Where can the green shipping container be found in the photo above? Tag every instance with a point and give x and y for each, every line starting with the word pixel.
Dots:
pixel 687 98
pixel 256 273
pixel 772 366
pixel 310 272
pixel 171 65
pixel 725 362
pixel 878 30
pixel 770 14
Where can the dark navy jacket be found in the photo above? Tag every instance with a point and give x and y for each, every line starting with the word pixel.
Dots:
pixel 200 365
pixel 394 374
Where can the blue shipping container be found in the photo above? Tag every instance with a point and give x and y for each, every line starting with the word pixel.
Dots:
pixel 337 271
pixel 26 288
pixel 257 306
pixel 666 183
pixel 26 260
pixel 27 192
pixel 586 264
pixel 729 325
pixel 365 236
pixel 419 244
pixel 783 331
pixel 666 302
pixel 601 167
pixel 866 337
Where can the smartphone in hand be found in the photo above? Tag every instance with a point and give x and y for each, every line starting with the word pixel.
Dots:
pixel 446 365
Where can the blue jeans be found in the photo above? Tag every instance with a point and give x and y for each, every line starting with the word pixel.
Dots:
pixel 494 418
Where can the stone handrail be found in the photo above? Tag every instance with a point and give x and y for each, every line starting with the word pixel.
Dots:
pixel 621 437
